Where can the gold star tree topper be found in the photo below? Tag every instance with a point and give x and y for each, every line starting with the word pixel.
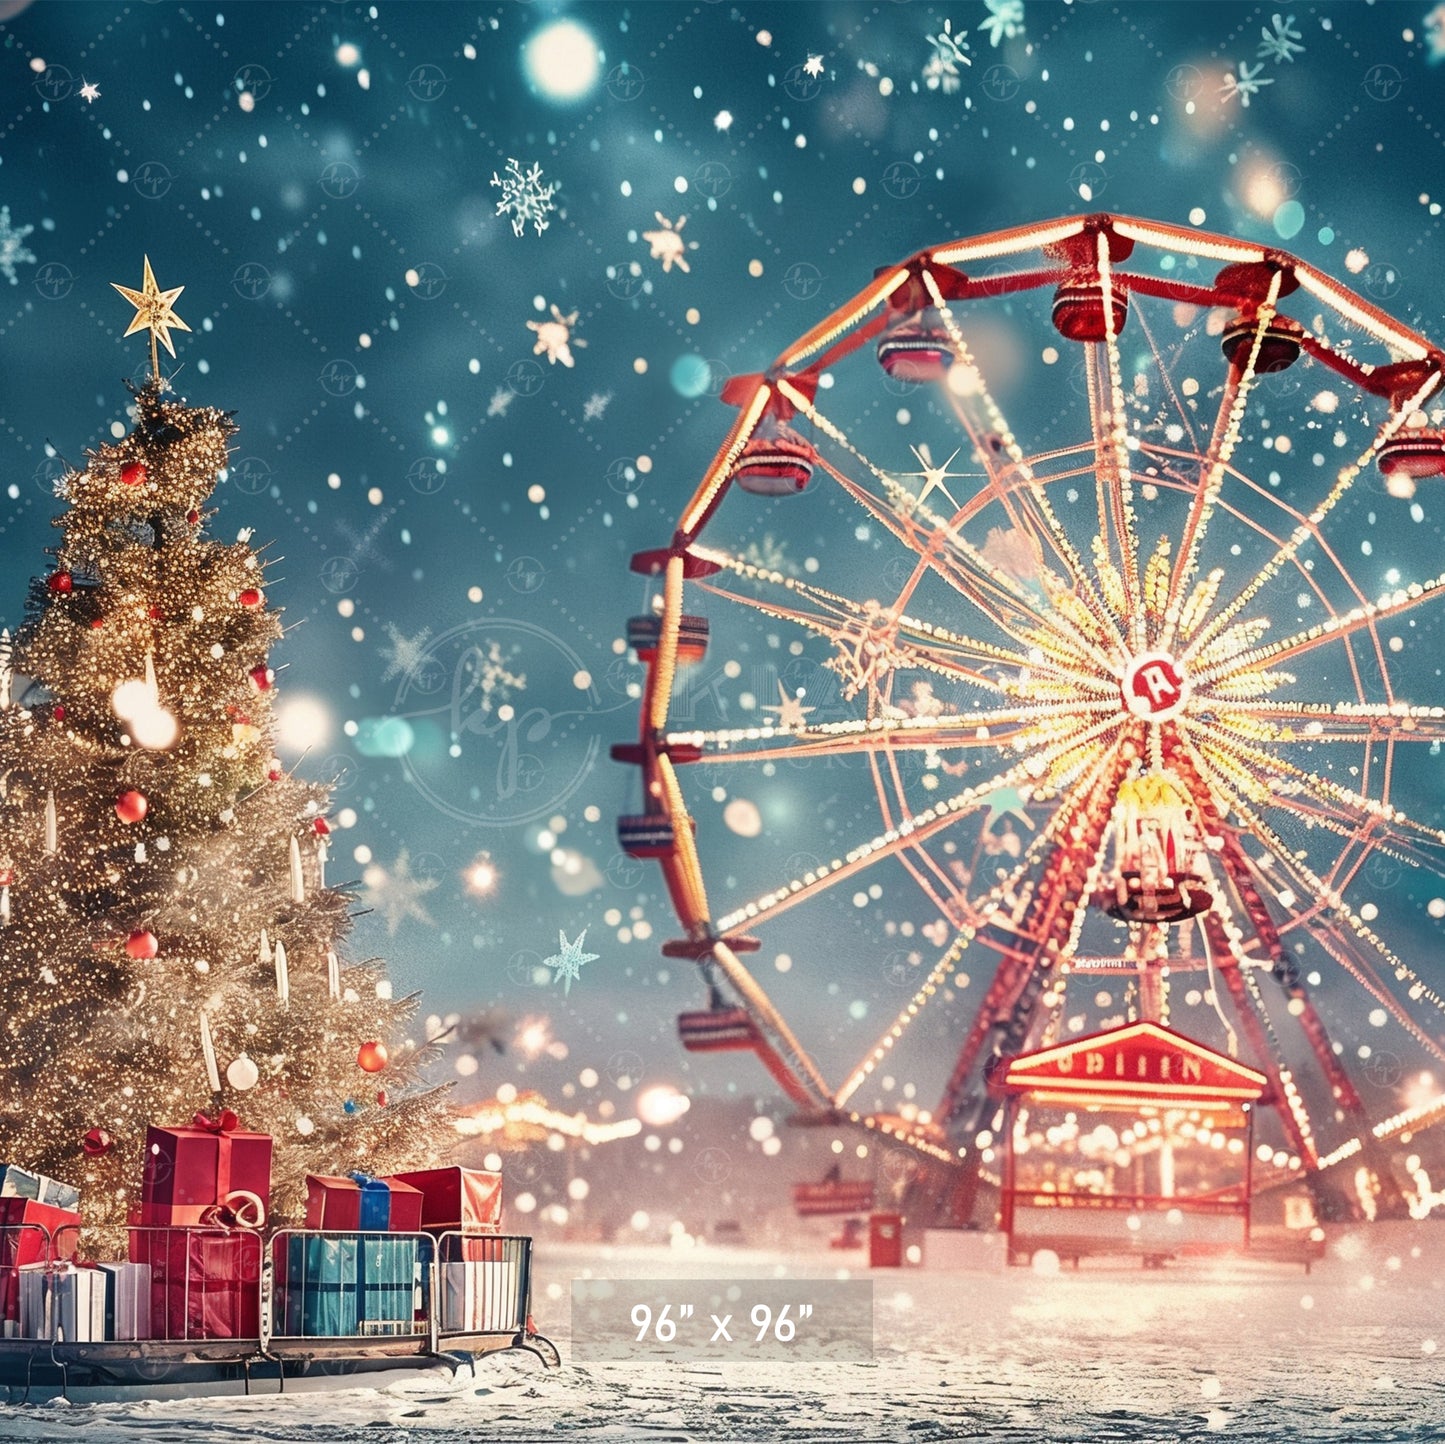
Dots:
pixel 153 313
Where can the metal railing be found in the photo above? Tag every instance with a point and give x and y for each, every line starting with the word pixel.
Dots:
pixel 207 1283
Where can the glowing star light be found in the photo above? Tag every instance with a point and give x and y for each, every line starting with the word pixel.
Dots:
pixel 568 961
pixel 154 313
pixel 790 709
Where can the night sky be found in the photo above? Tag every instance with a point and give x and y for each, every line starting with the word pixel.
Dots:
pixel 319 178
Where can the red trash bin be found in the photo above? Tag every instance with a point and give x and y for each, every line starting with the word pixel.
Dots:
pixel 885 1240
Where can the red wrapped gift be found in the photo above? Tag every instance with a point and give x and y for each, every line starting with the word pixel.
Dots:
pixel 212 1164
pixel 360 1203
pixel 333 1203
pixel 458 1198
pixel 204 1281
pixel 28 1232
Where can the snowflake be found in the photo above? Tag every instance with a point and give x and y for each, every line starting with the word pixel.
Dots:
pixel 524 197
pixel 555 339
pixel 596 406
pixel 406 654
pixel 949 52
pixel 1244 85
pixel 502 398
pixel 1005 20
pixel 12 253
pixel 568 962
pixel 769 554
pixel 396 893
pixel 89 91
pixel 668 245
pixel 813 65
pixel 1281 42
pixel 488 676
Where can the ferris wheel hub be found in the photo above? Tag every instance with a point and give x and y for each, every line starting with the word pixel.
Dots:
pixel 1154 686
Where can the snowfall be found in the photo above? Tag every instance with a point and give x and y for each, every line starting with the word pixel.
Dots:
pixel 1233 1350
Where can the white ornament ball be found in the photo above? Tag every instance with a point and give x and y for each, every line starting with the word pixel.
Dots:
pixel 243 1073
pixel 304 1126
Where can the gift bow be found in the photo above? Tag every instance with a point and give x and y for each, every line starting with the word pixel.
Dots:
pixel 239 1209
pixel 224 1122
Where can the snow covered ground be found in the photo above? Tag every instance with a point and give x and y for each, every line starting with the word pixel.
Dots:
pixel 1240 1352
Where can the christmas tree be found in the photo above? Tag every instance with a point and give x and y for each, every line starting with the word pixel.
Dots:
pixel 167 940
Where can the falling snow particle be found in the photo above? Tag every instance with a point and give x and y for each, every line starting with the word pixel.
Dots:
pixel 524 197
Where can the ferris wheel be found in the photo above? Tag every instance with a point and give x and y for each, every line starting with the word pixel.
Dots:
pixel 1080 610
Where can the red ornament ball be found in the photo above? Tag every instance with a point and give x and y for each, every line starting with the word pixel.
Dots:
pixel 155 614
pixel 133 473
pixel 58 711
pixel 97 1142
pixel 142 945
pixel 262 677
pixel 320 827
pixel 193 517
pixel 131 806
pixel 250 597
pixel 371 1057
pixel 381 1099
pixel 62 583
pixel 97 622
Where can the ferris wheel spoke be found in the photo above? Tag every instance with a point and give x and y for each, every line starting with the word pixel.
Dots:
pixel 946 732
pixel 983 911
pixel 912 831
pixel 1349 722
pixel 1057 533
pixel 982 583
pixel 1222 443
pixel 760 1007
pixel 1111 451
pixel 1327 920
pixel 837 616
pixel 1346 478
pixel 1347 808
pixel 1346 624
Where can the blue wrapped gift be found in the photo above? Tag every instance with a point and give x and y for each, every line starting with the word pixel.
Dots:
pixel 321 1289
pixel 388 1274
pixel 375 1203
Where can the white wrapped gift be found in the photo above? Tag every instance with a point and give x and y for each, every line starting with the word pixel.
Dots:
pixel 127 1300
pixel 62 1302
pixel 481 1296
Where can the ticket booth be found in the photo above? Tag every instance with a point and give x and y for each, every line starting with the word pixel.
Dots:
pixel 1136 1140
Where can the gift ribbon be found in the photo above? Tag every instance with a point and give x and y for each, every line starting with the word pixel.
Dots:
pixel 238 1209
pixel 224 1122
